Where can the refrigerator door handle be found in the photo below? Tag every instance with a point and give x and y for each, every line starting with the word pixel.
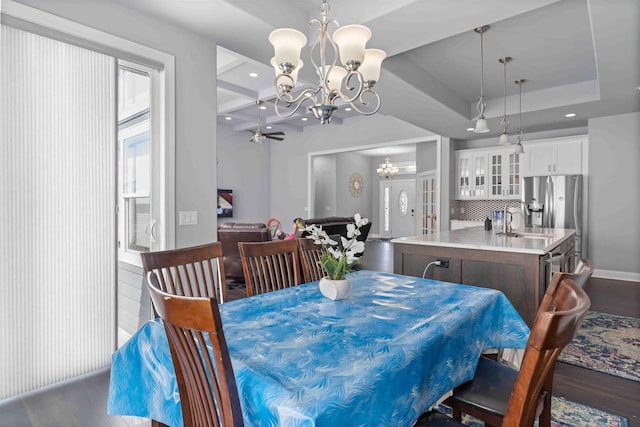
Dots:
pixel 549 204
pixel 577 196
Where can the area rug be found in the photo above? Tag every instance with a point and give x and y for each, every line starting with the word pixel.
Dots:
pixel 564 413
pixel 606 343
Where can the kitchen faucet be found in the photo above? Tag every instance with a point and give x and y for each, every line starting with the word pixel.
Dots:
pixel 506 225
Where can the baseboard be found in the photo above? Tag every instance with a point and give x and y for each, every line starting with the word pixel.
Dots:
pixel 617 275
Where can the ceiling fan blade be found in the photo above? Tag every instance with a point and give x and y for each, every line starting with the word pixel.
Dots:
pixel 277 138
pixel 273 133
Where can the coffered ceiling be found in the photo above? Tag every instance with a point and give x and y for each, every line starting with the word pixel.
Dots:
pixel 578 56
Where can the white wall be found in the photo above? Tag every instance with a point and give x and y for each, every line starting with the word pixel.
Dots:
pixel 195 58
pixel 244 167
pixel 614 195
pixel 324 186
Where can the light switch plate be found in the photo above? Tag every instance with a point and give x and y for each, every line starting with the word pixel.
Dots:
pixel 188 218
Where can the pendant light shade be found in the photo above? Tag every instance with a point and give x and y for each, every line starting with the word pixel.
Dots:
pixel 504 137
pixel 481 125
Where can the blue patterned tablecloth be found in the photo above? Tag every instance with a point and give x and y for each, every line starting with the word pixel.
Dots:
pixel 379 358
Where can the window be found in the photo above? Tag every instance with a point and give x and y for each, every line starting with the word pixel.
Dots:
pixel 135 225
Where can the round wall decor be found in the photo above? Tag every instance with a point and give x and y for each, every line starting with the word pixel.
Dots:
pixel 356 184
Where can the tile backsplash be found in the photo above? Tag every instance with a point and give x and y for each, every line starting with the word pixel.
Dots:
pixel 478 210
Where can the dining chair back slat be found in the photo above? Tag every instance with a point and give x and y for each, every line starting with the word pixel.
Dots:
pixel 310 253
pixel 206 383
pixel 270 266
pixel 196 271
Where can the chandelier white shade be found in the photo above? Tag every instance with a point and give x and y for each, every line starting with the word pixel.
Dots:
pixel 352 83
pixel 504 137
pixel 387 169
pixel 287 43
pixel 481 125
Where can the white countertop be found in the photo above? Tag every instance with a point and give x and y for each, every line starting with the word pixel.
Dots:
pixel 538 240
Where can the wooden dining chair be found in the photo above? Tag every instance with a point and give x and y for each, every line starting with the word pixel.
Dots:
pixel 269 266
pixel 310 253
pixel 582 272
pixel 196 271
pixel 206 383
pixel 500 395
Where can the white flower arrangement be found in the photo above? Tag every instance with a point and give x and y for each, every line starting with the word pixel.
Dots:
pixel 338 259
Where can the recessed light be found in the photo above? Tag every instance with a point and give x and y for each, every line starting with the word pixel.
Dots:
pixel 269 127
pixel 347 109
pixel 253 74
pixel 262 107
pixel 570 115
pixel 304 119
pixel 227 118
pixel 308 94
pixel 470 129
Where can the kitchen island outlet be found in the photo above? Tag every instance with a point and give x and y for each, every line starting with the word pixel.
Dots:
pixel 519 264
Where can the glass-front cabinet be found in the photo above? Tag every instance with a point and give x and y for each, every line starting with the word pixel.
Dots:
pixel 487 174
pixel 504 175
pixel 471 174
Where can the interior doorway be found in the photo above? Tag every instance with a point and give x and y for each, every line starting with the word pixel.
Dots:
pixel 398 208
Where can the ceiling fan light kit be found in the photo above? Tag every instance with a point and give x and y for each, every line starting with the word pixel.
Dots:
pixel 352 83
pixel 260 137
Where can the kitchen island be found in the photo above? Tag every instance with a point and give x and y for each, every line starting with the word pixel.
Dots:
pixel 518 264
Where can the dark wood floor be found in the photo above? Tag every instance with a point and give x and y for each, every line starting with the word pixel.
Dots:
pixel 82 402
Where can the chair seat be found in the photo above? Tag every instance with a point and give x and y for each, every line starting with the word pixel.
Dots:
pixel 490 389
pixel 436 419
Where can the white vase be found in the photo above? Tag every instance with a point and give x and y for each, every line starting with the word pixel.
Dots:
pixel 335 289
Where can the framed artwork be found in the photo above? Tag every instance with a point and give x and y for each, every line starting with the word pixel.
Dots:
pixel 225 203
pixel 356 184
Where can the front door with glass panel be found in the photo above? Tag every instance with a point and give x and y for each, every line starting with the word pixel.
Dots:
pixel 398 202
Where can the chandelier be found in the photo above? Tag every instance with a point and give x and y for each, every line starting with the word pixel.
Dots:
pixel 387 169
pixel 352 83
pixel 481 122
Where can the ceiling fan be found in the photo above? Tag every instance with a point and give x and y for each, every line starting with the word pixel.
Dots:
pixel 260 137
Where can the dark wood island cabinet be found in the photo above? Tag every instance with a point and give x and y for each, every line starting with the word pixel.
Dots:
pixel 519 266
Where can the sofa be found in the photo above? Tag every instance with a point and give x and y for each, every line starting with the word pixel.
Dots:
pixel 335 225
pixel 229 234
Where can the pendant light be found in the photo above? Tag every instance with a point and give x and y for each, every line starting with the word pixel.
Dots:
pixel 519 148
pixel 504 138
pixel 481 122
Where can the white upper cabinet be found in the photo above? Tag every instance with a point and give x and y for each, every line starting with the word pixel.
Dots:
pixel 504 174
pixel 471 174
pixel 487 173
pixel 562 156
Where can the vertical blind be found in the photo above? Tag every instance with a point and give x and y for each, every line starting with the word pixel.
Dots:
pixel 57 211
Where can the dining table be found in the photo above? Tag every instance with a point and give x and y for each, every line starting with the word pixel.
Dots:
pixel 381 357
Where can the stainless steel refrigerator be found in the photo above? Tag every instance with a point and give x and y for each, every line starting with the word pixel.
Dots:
pixel 554 202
